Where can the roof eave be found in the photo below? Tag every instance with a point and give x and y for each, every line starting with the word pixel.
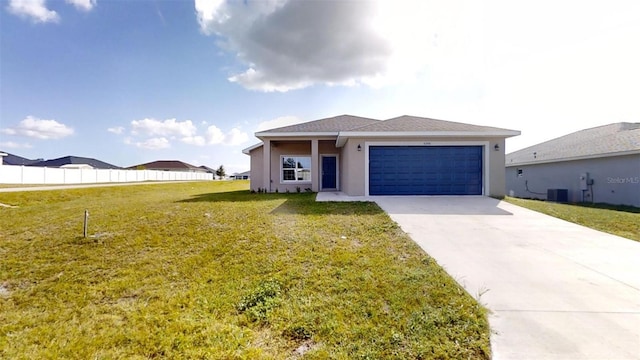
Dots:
pixel 248 150
pixel 344 135
pixel 266 134
pixel 573 158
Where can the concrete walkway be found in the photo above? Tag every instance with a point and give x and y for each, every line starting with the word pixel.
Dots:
pixel 555 290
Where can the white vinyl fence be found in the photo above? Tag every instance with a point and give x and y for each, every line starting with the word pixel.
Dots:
pixel 11 174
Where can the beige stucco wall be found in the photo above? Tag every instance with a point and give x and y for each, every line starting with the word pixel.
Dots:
pixel 353 175
pixel 352 165
pixel 289 148
pixel 497 159
pixel 278 149
pixel 257 179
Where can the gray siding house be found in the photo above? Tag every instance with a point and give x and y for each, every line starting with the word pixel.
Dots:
pixel 600 165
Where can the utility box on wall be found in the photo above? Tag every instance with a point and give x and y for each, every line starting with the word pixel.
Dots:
pixel 558 195
pixel 584 181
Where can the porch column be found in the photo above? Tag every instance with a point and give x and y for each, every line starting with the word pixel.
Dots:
pixel 266 164
pixel 315 182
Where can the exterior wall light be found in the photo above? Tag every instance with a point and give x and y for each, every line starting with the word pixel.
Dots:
pixel 359 147
pixel 496 147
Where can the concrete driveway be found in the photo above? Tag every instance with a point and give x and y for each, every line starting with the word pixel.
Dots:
pixel 555 290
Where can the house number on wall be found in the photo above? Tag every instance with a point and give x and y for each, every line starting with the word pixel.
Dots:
pixel 426 143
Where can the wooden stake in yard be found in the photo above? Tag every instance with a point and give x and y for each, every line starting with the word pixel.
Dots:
pixel 86 221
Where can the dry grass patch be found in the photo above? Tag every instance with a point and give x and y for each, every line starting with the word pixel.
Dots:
pixel 208 270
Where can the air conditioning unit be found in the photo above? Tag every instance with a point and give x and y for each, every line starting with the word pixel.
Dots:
pixel 558 195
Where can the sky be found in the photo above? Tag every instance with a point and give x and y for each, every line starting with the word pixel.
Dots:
pixel 129 82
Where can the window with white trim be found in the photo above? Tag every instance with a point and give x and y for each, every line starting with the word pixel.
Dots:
pixel 295 169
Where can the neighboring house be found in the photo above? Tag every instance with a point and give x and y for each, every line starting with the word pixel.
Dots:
pixel 2 155
pixel 74 162
pixel 208 170
pixel 600 164
pixel 11 159
pixel 76 166
pixel 241 176
pixel 168 165
pixel 406 155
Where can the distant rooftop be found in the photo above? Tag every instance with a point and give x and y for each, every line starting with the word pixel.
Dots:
pixel 601 141
pixel 11 159
pixel 78 160
pixel 168 165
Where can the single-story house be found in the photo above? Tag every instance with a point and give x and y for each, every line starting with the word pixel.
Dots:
pixel 241 176
pixel 406 155
pixel 11 159
pixel 77 166
pixel 600 164
pixel 168 165
pixel 208 170
pixel 74 162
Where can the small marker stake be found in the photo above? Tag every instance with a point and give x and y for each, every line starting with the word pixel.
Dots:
pixel 86 221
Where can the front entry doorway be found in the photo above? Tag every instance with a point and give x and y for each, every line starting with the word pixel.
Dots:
pixel 329 164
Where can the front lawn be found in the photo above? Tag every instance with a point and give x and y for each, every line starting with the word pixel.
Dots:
pixel 208 270
pixel 617 220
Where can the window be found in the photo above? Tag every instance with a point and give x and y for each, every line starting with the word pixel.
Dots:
pixel 296 169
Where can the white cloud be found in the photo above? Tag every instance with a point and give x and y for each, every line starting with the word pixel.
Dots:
pixel 278 122
pixel 214 135
pixel 83 5
pixel 39 128
pixel 289 45
pixel 162 133
pixel 235 136
pixel 15 145
pixel 116 130
pixel 283 45
pixel 34 9
pixel 154 144
pixel 169 127
pixel 194 140
pixel 209 11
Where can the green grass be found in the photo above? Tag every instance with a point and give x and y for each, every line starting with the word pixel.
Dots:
pixel 617 220
pixel 208 270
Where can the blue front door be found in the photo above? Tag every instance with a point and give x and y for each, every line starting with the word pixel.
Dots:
pixel 329 172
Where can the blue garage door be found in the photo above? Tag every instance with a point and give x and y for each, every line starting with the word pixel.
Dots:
pixel 425 170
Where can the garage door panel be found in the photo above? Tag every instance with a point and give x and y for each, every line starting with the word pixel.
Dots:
pixel 425 170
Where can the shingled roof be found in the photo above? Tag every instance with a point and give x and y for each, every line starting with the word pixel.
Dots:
pixel 11 159
pixel 407 123
pixel 345 126
pixel 608 140
pixel 329 125
pixel 78 160
pixel 168 165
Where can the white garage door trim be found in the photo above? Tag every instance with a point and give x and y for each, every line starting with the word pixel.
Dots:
pixel 485 162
